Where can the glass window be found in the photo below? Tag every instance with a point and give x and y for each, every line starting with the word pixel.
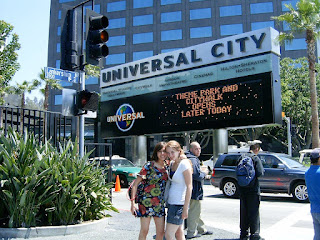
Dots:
pixel 226 11
pixel 200 32
pixel 256 8
pixel 293 4
pixel 116 58
pixel 91 80
pixel 296 44
pixel 58 100
pixel 231 29
pixel 171 35
pixel 286 26
pixel 63 1
pixel 142 3
pixel 65 83
pixel 171 17
pixel 166 2
pixel 59 14
pixel 259 25
pixel 58 64
pixel 142 20
pixel 117 23
pixel 142 37
pixel 200 13
pixel 169 50
pixel 117 41
pixel 116 6
pixel 58 47
pixel 59 31
pixel 141 55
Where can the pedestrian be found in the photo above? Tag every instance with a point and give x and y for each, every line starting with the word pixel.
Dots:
pixel 312 177
pixel 250 200
pixel 180 173
pixel 195 224
pixel 149 187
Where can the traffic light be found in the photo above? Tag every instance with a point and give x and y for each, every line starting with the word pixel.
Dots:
pixel 96 37
pixel 71 41
pixel 87 101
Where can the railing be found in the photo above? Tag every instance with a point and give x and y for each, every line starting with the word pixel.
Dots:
pixel 44 124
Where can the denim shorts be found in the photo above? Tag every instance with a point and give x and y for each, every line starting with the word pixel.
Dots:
pixel 174 214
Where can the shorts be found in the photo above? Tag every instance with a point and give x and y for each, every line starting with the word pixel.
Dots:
pixel 174 214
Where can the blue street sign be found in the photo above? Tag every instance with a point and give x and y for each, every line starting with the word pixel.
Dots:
pixel 59 74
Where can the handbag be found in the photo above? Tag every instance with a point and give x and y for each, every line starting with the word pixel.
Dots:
pixel 166 191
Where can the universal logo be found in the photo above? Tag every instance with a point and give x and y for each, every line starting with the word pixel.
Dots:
pixel 125 117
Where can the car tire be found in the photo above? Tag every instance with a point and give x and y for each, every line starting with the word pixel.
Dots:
pixel 300 192
pixel 123 181
pixel 230 188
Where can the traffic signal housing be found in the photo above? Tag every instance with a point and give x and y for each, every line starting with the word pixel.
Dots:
pixel 87 101
pixel 70 37
pixel 96 37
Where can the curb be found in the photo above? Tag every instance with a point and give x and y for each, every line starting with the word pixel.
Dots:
pixel 46 231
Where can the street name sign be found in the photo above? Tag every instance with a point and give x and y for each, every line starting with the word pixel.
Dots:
pixel 63 75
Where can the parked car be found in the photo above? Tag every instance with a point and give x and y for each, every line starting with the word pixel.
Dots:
pixel 121 166
pixel 282 175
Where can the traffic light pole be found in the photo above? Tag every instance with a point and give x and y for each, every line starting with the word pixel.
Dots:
pixel 81 117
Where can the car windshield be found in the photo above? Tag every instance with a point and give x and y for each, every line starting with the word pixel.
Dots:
pixel 290 162
pixel 122 163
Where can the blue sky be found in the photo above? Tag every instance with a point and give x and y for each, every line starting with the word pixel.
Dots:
pixel 31 22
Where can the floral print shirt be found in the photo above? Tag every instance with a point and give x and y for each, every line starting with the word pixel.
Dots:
pixel 151 190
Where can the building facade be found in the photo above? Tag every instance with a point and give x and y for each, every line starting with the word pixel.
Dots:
pixel 144 28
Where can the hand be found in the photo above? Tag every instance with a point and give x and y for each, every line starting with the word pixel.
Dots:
pixel 133 209
pixel 184 214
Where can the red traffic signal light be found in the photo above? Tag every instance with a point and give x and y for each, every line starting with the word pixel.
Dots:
pixel 96 37
pixel 88 101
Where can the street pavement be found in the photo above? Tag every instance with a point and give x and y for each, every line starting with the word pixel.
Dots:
pixel 121 226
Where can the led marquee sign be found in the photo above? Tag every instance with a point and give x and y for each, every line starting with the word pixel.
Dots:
pixel 241 91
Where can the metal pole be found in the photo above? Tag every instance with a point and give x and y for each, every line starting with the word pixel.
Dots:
pixel 287 120
pixel 81 118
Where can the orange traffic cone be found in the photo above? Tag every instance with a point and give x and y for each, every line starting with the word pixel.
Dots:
pixel 117 187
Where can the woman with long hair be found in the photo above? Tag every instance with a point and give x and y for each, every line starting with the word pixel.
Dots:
pixel 180 174
pixel 149 187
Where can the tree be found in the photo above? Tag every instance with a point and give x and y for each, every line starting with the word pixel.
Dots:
pixel 8 56
pixel 25 87
pixel 306 19
pixel 49 83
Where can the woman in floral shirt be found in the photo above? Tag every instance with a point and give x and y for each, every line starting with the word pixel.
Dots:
pixel 150 186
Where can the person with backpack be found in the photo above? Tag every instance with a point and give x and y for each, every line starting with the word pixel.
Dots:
pixel 249 190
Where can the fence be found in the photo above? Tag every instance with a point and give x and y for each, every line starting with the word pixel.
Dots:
pixel 44 124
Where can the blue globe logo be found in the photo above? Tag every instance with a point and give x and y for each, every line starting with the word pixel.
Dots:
pixel 124 125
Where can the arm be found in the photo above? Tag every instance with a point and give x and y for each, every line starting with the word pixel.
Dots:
pixel 188 180
pixel 259 167
pixel 133 194
pixel 197 174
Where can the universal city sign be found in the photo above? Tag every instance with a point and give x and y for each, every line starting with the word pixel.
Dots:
pixel 226 49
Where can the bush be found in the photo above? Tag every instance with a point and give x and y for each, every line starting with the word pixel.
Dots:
pixel 42 185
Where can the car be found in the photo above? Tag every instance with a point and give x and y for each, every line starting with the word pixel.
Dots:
pixel 121 166
pixel 282 175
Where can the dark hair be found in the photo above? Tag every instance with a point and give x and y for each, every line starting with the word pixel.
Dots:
pixel 314 160
pixel 156 149
pixel 255 146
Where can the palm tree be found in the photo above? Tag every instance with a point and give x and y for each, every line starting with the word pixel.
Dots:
pixel 49 83
pixel 306 20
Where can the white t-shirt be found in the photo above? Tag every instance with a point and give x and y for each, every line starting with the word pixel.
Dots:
pixel 178 186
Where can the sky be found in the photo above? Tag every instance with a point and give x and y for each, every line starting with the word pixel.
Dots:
pixel 30 20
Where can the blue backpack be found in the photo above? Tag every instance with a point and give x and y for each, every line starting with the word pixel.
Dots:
pixel 245 171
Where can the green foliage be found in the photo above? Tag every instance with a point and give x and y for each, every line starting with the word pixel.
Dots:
pixel 42 185
pixel 8 56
